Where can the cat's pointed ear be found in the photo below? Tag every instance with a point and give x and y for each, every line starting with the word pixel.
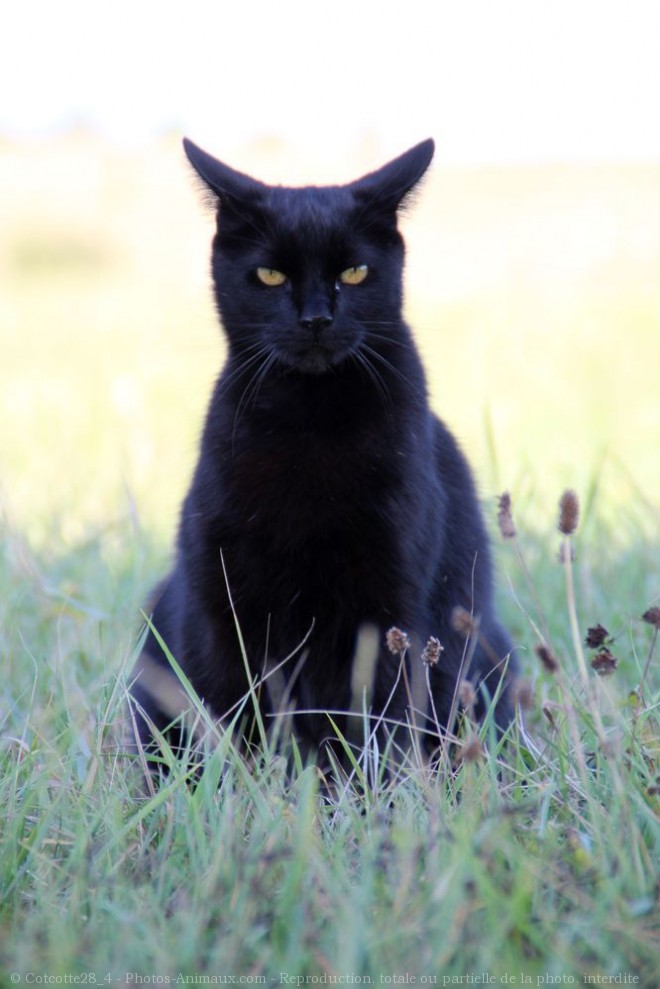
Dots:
pixel 389 187
pixel 226 183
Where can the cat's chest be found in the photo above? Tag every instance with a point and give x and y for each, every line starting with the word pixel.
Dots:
pixel 314 523
pixel 306 482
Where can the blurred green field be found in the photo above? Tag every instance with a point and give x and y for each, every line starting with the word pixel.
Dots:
pixel 534 294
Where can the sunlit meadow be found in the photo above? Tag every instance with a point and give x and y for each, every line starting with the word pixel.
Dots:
pixel 534 294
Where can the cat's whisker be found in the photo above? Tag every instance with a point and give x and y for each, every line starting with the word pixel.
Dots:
pixel 263 359
pixel 380 322
pixel 251 325
pixel 375 377
pixel 384 361
pixel 251 390
pixel 261 377
pixel 237 372
pixel 387 339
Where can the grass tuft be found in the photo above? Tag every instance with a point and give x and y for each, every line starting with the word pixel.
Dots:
pixel 535 854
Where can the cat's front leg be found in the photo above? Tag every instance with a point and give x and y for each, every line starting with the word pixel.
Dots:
pixel 315 693
pixel 206 647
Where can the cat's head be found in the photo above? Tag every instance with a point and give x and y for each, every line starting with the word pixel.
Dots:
pixel 309 276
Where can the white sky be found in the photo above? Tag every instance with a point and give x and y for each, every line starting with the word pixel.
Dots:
pixel 491 80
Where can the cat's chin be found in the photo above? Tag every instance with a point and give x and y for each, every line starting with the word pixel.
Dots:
pixel 316 360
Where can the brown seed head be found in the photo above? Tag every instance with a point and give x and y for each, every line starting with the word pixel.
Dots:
pixel 652 616
pixel 466 694
pixel 397 641
pixel 462 621
pixel 472 750
pixel 505 518
pixel 596 636
pixel 431 651
pixel 550 664
pixel 523 694
pixel 604 663
pixel 569 512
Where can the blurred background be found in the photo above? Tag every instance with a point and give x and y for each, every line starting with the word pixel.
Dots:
pixel 533 279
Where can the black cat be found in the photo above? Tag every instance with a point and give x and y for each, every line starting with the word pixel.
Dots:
pixel 327 496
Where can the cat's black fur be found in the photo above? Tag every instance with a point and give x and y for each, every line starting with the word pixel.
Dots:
pixel 326 489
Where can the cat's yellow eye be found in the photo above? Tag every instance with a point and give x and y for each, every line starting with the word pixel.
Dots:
pixel 353 276
pixel 269 276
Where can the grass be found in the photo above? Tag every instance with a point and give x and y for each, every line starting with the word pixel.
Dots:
pixel 537 862
pixel 542 859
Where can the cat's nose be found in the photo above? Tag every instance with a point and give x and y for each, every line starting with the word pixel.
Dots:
pixel 316 324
